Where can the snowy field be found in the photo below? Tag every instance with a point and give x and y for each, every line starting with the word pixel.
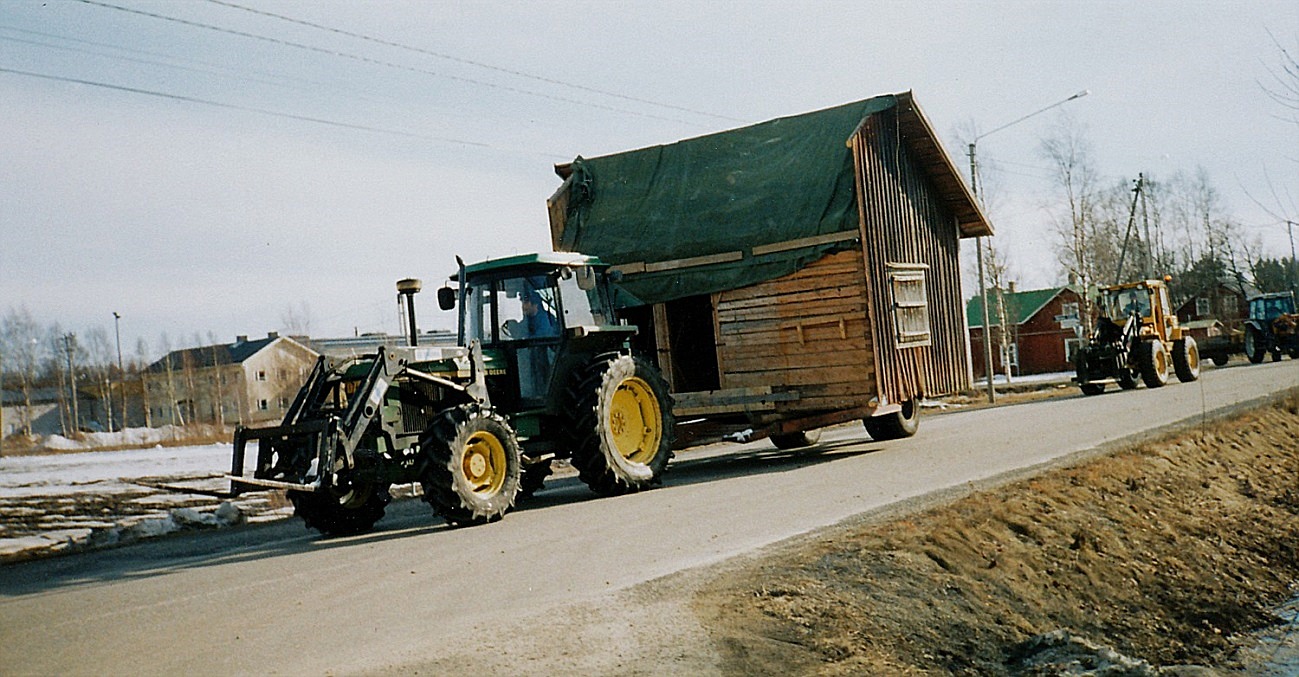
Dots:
pixel 80 500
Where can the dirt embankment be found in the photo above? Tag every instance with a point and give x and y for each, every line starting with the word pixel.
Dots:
pixel 1168 552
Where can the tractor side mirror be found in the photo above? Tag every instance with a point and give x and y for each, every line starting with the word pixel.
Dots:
pixel 446 298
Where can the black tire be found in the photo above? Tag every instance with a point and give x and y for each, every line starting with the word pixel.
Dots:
pixel 341 513
pixel 1186 359
pixel 534 478
pixel 472 469
pixel 1127 378
pixel 896 425
pixel 1255 349
pixel 1152 361
pixel 1276 354
pixel 621 431
pixel 1083 370
pixel 796 440
pixel 1219 359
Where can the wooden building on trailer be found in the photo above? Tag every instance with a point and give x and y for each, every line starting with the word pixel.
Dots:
pixel 791 274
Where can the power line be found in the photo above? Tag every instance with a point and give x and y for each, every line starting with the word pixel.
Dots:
pixel 376 62
pixel 469 62
pixel 263 111
pixel 172 61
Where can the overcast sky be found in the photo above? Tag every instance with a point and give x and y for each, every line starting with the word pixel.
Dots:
pixel 222 179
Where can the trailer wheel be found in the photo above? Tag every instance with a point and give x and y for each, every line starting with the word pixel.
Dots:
pixel 621 427
pixel 1219 359
pixel 1152 361
pixel 894 426
pixel 473 465
pixel 1186 359
pixel 1127 378
pixel 1254 348
pixel 341 513
pixel 534 478
pixel 796 440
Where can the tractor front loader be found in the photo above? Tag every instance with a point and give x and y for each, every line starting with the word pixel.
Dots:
pixel 1136 337
pixel 543 371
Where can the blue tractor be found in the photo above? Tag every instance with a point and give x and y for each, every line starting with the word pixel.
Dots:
pixel 1271 327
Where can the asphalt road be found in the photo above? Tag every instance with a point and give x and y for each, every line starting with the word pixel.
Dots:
pixel 278 599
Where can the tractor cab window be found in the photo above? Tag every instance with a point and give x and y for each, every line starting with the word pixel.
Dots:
pixel 581 297
pixel 1269 308
pixel 1120 303
pixel 528 309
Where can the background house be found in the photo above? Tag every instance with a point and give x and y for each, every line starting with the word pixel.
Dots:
pixel 1040 330
pixel 242 382
pixel 1226 301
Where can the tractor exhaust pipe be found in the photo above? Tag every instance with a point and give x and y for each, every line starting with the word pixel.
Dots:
pixel 408 288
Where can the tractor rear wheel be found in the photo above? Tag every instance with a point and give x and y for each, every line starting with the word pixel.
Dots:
pixel 1255 349
pixel 894 426
pixel 621 431
pixel 339 512
pixel 796 440
pixel 1152 361
pixel 1186 359
pixel 473 465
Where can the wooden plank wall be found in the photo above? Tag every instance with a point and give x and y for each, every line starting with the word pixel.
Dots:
pixel 903 221
pixel 806 332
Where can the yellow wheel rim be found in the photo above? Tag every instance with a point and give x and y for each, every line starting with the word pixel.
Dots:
pixel 483 463
pixel 635 422
pixel 1193 358
pixel 1161 361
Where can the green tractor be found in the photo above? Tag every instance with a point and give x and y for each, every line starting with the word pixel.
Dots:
pixel 542 372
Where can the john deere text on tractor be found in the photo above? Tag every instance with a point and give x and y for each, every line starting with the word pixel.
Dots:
pixel 1271 327
pixel 1136 336
pixel 543 371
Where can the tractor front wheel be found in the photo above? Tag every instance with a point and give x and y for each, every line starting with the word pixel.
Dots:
pixel 1152 361
pixel 341 512
pixel 472 466
pixel 621 430
pixel 1084 374
pixel 894 426
pixel 1186 359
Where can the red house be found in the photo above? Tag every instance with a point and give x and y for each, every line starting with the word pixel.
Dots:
pixel 1041 330
pixel 1227 301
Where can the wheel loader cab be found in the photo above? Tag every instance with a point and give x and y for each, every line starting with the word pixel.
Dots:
pixel 1148 300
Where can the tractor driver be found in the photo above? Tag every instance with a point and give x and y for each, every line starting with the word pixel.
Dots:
pixel 1134 305
pixel 537 321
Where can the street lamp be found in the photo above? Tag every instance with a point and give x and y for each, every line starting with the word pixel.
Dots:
pixel 121 375
pixel 978 241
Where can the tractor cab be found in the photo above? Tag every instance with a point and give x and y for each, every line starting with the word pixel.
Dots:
pixel 1146 300
pixel 1268 307
pixel 531 312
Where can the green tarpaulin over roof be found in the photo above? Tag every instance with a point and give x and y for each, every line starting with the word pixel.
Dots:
pixel 720 196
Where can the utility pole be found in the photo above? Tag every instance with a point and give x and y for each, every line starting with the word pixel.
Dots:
pixel 978 241
pixel 121 374
pixel 983 287
pixel 70 342
pixel 1289 226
